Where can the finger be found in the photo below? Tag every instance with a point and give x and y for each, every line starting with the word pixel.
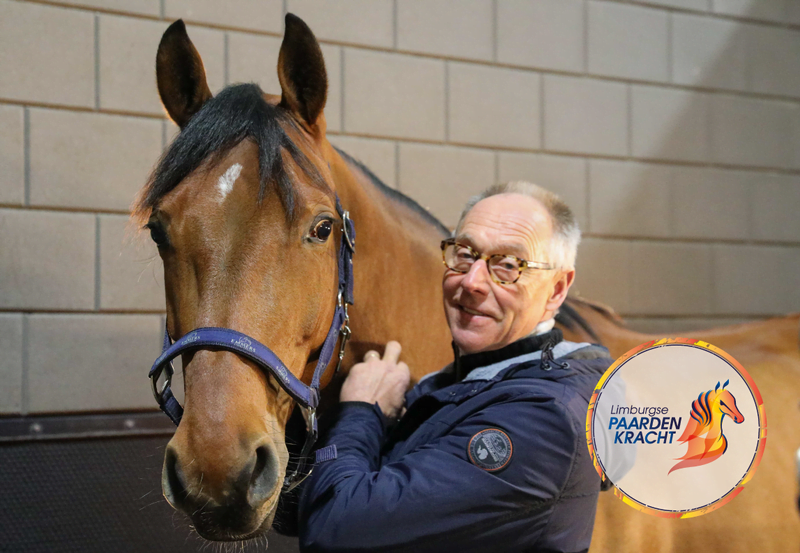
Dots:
pixel 371 354
pixel 392 352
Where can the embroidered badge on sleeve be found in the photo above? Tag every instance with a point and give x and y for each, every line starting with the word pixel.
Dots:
pixel 490 449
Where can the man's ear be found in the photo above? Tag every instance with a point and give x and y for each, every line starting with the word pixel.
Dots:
pixel 560 290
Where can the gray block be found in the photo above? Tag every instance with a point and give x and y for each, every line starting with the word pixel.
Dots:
pixel 91 362
pixel 443 178
pixel 454 28
pixel 377 155
pixel 566 176
pixel 393 95
pixel 11 363
pixel 369 22
pixel 547 34
pixel 669 124
pixel 583 115
pixel 131 271
pixel 746 131
pixel 627 41
pixel 90 160
pixel 757 280
pixel 47 260
pixel 131 86
pixel 46 54
pixel 258 15
pixel 12 155
pixel 671 279
pixel 629 199
pixel 709 52
pixel 711 204
pixel 494 106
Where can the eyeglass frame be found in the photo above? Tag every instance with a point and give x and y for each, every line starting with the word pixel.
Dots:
pixel 523 264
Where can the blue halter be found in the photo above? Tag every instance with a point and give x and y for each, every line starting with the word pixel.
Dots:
pixel 241 344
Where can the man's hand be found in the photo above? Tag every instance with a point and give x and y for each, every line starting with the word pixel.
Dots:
pixel 382 380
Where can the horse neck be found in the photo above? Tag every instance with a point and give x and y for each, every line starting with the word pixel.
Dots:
pixel 398 272
pixel 713 429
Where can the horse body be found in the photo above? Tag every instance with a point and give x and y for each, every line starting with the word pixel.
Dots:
pixel 247 256
pixel 763 517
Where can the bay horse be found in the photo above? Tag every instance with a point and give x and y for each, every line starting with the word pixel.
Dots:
pixel 243 209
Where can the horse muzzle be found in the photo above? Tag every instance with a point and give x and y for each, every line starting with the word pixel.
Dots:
pixel 225 503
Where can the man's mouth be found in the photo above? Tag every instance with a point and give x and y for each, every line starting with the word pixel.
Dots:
pixel 472 311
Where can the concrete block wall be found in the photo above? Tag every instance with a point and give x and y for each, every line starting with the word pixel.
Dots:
pixel 671 126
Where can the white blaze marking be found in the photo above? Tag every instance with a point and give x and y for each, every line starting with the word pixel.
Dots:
pixel 226 181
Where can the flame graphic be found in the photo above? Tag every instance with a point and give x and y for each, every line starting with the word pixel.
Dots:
pixel 704 434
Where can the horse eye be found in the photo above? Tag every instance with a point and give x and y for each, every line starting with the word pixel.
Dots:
pixel 322 230
pixel 157 233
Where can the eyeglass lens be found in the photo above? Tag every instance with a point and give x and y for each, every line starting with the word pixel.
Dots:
pixel 460 258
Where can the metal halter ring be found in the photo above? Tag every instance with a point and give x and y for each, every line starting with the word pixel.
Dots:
pixel 351 243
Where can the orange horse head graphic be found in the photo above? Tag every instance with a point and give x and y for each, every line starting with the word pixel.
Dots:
pixel 704 434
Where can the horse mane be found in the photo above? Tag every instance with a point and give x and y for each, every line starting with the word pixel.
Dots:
pixel 237 113
pixel 570 317
pixel 393 194
pixel 701 410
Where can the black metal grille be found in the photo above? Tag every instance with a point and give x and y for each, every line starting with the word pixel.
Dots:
pixel 95 495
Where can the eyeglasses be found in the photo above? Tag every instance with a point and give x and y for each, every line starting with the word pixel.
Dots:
pixel 504 269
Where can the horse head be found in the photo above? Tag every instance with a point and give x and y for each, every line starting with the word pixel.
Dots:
pixel 727 404
pixel 243 209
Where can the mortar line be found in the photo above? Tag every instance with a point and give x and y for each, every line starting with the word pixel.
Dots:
pixel 25 384
pixel 97 263
pixel 342 84
pixel 96 62
pixel 494 30
pixel 394 24
pixel 446 101
pixel 26 152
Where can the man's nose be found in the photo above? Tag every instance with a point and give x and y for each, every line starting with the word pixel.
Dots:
pixel 477 278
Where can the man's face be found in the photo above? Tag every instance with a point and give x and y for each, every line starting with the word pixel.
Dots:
pixel 484 315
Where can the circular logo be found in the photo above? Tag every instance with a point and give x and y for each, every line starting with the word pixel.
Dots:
pixel 677 426
pixel 490 449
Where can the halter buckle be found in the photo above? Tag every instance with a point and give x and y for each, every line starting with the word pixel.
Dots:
pixel 159 395
pixel 299 474
pixel 344 332
pixel 346 222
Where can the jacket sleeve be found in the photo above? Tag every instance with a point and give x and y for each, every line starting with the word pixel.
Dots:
pixel 434 498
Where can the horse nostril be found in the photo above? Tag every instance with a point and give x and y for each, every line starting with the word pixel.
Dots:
pixel 264 477
pixel 172 480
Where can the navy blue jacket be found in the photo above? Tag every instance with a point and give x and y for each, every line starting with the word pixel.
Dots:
pixel 419 487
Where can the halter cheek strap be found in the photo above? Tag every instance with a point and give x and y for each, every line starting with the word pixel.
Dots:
pixel 250 348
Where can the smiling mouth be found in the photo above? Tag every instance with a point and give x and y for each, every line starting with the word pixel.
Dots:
pixel 472 311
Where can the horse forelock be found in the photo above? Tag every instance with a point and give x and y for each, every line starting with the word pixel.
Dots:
pixel 237 113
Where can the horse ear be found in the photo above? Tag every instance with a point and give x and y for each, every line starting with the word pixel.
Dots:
pixel 180 75
pixel 301 71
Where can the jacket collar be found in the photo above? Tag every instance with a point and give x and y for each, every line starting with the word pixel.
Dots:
pixel 463 365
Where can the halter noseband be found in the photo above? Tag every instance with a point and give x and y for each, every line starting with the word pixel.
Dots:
pixel 224 338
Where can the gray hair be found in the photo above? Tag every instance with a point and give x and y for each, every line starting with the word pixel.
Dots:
pixel 566 234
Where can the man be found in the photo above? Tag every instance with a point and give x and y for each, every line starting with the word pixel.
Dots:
pixel 490 454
